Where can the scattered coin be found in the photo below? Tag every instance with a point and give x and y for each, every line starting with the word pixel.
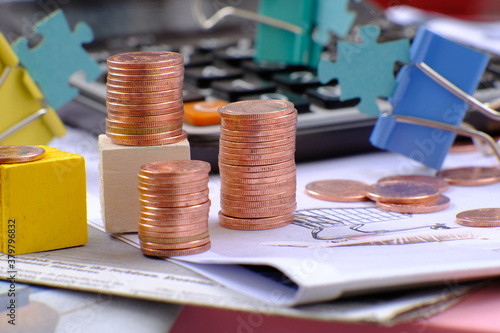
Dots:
pixel 338 190
pixel 20 154
pixel 483 217
pixel 470 176
pixel 402 192
pixel 441 203
pixel 174 200
pixel 438 182
pixel 256 164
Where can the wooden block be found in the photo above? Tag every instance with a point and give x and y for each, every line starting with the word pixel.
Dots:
pixel 118 168
pixel 43 204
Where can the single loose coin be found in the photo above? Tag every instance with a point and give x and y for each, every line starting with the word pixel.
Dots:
pixel 483 217
pixel 20 154
pixel 402 192
pixel 441 203
pixel 438 182
pixel 338 190
pixel 470 176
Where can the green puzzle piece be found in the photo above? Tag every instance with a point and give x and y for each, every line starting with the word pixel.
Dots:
pixel 58 56
pixel 365 70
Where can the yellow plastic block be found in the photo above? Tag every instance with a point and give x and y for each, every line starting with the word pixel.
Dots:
pixel 43 203
pixel 20 98
pixel 118 168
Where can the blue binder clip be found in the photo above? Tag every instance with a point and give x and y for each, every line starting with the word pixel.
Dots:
pixel 431 99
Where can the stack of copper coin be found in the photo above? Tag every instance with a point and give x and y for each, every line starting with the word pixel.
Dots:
pixel 257 164
pixel 144 98
pixel 174 208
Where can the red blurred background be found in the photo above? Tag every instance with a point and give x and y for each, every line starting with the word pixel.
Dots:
pixel 477 10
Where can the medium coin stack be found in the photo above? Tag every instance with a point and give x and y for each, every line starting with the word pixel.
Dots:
pixel 257 164
pixel 144 98
pixel 174 208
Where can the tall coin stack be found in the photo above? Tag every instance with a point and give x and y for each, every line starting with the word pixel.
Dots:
pixel 174 208
pixel 144 98
pixel 257 164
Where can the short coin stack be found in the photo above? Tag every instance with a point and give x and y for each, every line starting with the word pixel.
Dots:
pixel 144 98
pixel 174 208
pixel 257 164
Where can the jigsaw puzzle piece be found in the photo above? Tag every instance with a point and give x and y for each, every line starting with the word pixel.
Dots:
pixel 333 16
pixel 365 70
pixel 58 56
pixel 20 99
pixel 419 96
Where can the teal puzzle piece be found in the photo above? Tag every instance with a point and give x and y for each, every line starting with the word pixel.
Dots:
pixel 333 16
pixel 58 56
pixel 365 70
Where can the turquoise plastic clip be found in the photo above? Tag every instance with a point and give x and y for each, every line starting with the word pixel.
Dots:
pixel 419 96
pixel 273 44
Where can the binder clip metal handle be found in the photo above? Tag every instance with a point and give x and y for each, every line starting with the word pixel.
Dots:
pixel 23 123
pixel 208 23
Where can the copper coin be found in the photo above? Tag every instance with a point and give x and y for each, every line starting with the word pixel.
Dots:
pixel 128 141
pixel 149 231
pixel 176 168
pixel 143 96
pixel 184 210
pixel 244 155
pixel 258 151
pixel 156 136
pixel 173 204
pixel 434 181
pixel 172 221
pixel 170 227
pixel 256 132
pixel 402 192
pixel 245 197
pixel 146 120
pixel 160 239
pixel 20 154
pixel 261 138
pixel 258 168
pixel 263 180
pixel 185 245
pixel 174 71
pixel 174 112
pixel 258 212
pixel 256 223
pixel 252 175
pixel 175 253
pixel 259 128
pixel 127 99
pixel 292 116
pixel 145 75
pixel 174 198
pixel 441 203
pixel 239 162
pixel 286 183
pixel 145 59
pixel 143 130
pixel 172 191
pixel 483 217
pixel 178 81
pixel 120 124
pixel 257 204
pixel 146 89
pixel 172 183
pixel 167 105
pixel 256 109
pixel 256 145
pixel 229 190
pixel 338 190
pixel 470 176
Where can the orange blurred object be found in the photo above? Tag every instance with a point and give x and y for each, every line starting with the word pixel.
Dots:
pixel 202 113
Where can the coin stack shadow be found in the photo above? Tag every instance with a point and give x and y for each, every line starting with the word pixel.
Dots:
pixel 174 208
pixel 257 164
pixel 144 98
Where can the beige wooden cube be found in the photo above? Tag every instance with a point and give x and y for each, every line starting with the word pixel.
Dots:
pixel 118 168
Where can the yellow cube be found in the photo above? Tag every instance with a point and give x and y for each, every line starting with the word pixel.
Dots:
pixel 43 203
